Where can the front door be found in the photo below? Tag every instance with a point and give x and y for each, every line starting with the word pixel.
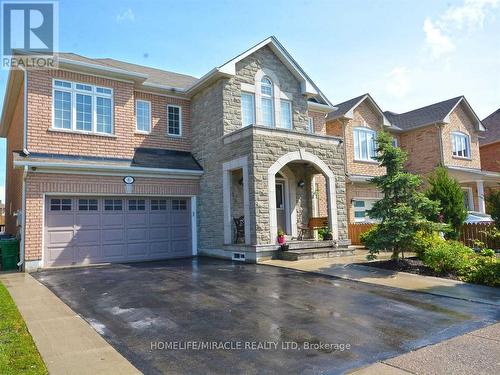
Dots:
pixel 280 205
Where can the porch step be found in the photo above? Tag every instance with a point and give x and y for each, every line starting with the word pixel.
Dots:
pixel 315 253
pixel 309 244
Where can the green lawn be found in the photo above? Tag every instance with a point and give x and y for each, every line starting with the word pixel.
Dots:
pixel 18 353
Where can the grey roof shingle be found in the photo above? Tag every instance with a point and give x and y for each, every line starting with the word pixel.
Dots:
pixel 155 76
pixel 492 125
pixel 343 108
pixel 143 157
pixel 427 115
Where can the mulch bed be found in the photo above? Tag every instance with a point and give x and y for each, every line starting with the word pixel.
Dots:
pixel 410 265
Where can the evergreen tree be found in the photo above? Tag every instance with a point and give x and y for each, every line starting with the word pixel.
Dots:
pixel 403 211
pixel 493 206
pixel 447 192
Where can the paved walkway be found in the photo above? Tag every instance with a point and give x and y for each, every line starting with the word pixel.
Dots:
pixel 345 268
pixel 68 345
pixel 477 352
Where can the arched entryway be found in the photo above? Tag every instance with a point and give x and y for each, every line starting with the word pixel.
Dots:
pixel 281 167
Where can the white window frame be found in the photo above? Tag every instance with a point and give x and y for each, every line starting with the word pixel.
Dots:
pixel 137 118
pixel 287 103
pixel 470 198
pixel 252 95
pixel 454 145
pixel 271 99
pixel 180 121
pixel 357 142
pixel 310 125
pixel 365 219
pixel 94 94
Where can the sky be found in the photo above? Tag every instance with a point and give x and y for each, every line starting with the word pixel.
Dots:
pixel 405 53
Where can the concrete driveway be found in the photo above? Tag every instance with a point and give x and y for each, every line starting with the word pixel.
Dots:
pixel 268 318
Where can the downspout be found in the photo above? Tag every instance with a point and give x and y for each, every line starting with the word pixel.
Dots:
pixel 23 218
pixel 440 140
pixel 25 173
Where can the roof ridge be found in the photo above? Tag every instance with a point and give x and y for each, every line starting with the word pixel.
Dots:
pixel 430 105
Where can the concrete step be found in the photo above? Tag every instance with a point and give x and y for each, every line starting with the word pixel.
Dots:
pixel 315 253
pixel 297 245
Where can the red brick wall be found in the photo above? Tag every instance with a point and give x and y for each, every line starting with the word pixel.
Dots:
pixel 423 148
pixel 124 140
pixel 14 177
pixel 38 184
pixel 490 157
pixel 460 121
pixel 318 122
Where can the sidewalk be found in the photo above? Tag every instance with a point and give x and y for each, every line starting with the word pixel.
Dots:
pixel 67 344
pixel 477 352
pixel 344 268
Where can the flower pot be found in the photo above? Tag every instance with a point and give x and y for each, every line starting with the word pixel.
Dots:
pixel 327 237
pixel 285 247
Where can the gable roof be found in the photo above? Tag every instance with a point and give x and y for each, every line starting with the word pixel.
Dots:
pixel 346 109
pixel 431 114
pixel 188 85
pixel 492 125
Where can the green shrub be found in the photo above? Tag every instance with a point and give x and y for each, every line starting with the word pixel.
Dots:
pixel 485 269
pixel 424 242
pixel 449 257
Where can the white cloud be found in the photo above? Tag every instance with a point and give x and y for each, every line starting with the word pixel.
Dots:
pixel 399 81
pixel 127 15
pixel 439 43
pixel 2 193
pixel 469 16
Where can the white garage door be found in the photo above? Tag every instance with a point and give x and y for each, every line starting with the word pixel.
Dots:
pixel 85 230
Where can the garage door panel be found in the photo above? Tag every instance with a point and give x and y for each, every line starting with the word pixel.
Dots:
pixel 86 237
pixel 113 251
pixel 87 220
pixel 138 249
pixel 119 230
pixel 160 247
pixel 137 234
pixel 60 220
pixel 112 235
pixel 160 219
pixel 87 254
pixel 110 220
pixel 60 237
pixel 137 220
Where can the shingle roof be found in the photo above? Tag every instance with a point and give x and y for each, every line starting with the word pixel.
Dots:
pixel 155 76
pixel 492 125
pixel 143 157
pixel 423 116
pixel 343 108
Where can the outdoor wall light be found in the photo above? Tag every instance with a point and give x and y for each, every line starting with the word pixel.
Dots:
pixel 301 183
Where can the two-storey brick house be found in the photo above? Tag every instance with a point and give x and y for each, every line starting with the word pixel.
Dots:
pixel 109 161
pixel 445 133
pixel 489 143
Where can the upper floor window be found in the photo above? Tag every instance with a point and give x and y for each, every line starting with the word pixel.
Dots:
pixel 310 125
pixel 82 107
pixel 460 145
pixel 267 108
pixel 174 120
pixel 364 144
pixel 286 114
pixel 247 109
pixel 143 116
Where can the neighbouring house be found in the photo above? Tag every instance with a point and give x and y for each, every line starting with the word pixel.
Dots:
pixel 445 133
pixel 109 161
pixel 489 143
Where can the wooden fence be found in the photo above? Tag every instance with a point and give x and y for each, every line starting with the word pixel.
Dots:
pixel 469 233
pixel 472 232
pixel 355 230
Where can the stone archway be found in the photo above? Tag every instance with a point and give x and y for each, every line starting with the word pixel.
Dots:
pixel 302 155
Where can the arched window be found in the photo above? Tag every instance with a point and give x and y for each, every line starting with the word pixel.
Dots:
pixel 267 108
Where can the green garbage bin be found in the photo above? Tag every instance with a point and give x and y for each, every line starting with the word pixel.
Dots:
pixel 9 251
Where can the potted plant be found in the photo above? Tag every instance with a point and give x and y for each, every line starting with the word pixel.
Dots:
pixel 325 234
pixel 281 237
